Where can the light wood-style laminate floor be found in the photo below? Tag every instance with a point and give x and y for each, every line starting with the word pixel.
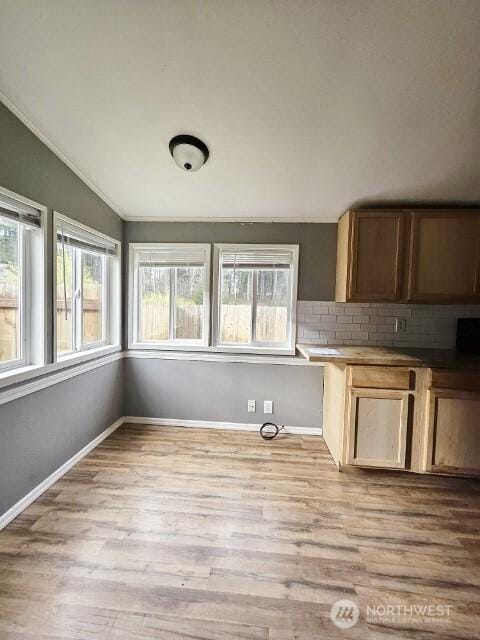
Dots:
pixel 185 534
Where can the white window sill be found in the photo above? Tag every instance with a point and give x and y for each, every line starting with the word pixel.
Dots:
pixel 169 346
pixel 211 356
pixel 201 348
pixel 29 372
pixel 87 354
pixel 270 351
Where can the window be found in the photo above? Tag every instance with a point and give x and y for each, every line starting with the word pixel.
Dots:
pixel 87 289
pixel 12 293
pixel 21 282
pixel 170 288
pixel 256 296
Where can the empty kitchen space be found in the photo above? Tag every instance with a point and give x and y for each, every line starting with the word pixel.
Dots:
pixel 239 320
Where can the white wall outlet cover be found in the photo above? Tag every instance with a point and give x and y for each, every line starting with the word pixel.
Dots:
pixel 268 406
pixel 400 325
pixel 251 406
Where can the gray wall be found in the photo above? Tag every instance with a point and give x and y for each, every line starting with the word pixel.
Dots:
pixel 318 248
pixel 318 245
pixel 41 431
pixel 219 391
pixel 216 391
pixel 30 169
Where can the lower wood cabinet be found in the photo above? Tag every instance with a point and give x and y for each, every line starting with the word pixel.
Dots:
pixel 377 428
pixel 453 432
pixel 417 419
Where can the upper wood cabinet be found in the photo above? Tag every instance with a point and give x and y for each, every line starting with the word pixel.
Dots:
pixel 370 251
pixel 426 256
pixel 444 261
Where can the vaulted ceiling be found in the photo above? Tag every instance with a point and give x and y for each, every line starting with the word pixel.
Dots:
pixel 307 106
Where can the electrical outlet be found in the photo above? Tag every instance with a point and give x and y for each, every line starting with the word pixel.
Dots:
pixel 252 406
pixel 268 406
pixel 400 325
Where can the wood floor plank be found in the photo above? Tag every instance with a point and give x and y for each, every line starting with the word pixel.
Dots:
pixel 194 534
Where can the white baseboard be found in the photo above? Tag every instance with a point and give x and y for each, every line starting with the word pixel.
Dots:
pixel 22 504
pixel 203 424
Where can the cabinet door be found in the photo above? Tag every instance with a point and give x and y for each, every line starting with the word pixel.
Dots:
pixel 378 424
pixel 453 432
pixel 444 262
pixel 376 256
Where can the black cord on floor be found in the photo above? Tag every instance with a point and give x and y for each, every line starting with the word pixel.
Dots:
pixel 269 430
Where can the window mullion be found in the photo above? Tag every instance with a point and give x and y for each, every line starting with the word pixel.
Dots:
pixel 24 264
pixel 105 297
pixel 171 319
pixel 138 304
pixel 74 300
pixel 78 299
pixel 253 323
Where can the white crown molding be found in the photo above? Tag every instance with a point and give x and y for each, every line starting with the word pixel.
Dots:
pixel 244 220
pixel 206 424
pixel 47 142
pixel 22 504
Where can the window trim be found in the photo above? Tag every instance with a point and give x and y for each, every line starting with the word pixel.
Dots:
pixel 34 339
pixel 261 348
pixel 21 338
pixel 112 297
pixel 133 299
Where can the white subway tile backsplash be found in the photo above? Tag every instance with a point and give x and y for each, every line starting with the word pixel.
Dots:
pixel 389 314
pixel 327 326
pixel 387 328
pixel 363 323
pixel 336 311
pixel 326 335
pixel 357 311
pixel 360 335
pixel 341 326
pixel 343 335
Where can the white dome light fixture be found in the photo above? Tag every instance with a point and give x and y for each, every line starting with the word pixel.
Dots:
pixel 189 153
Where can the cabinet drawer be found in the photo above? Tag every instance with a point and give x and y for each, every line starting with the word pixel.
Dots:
pixel 451 379
pixel 383 378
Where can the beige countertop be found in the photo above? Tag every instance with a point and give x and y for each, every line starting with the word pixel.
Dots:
pixel 388 356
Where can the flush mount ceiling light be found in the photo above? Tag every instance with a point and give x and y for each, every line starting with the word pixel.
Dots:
pixel 189 152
